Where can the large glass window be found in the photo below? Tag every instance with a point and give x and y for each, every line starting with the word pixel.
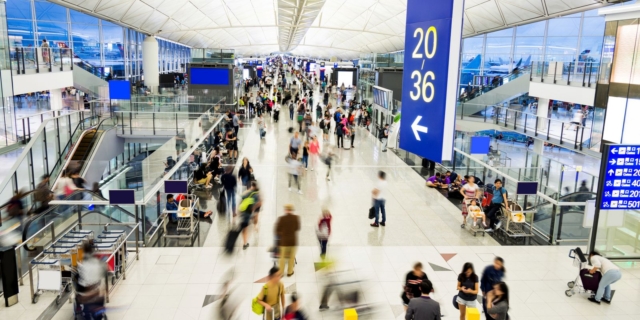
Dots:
pixel 19 9
pixel 564 27
pixel 85 35
pixel 113 48
pixel 47 11
pixel 535 29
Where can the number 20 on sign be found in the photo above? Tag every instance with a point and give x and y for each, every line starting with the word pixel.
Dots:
pixel 424 89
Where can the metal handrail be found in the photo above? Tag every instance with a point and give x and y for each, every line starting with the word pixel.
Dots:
pixel 25 152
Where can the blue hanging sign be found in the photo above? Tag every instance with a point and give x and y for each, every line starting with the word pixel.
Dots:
pixel 431 69
pixel 621 189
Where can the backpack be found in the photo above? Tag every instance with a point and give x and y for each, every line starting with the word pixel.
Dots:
pixel 381 134
pixel 322 124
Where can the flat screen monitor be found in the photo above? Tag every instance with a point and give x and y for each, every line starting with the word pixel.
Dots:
pixel 345 77
pixel 527 188
pixel 176 186
pixel 127 196
pixel 209 76
pixel 381 98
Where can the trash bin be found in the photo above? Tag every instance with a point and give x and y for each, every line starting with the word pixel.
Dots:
pixel 9 275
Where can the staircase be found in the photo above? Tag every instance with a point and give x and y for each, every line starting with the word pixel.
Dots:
pixel 84 146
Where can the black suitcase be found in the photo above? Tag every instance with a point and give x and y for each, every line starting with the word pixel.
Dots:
pixel 221 206
pixel 590 281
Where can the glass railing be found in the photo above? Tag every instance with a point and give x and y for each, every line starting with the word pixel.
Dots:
pixel 556 220
pixel 39 157
pixel 584 74
pixel 26 126
pixel 35 60
pixel 485 84
pixel 555 131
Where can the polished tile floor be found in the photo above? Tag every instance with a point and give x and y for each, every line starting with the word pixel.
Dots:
pixel 186 283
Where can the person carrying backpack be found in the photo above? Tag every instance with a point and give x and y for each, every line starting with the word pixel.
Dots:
pixel 318 112
pixel 249 203
pixel 291 109
pixel 271 296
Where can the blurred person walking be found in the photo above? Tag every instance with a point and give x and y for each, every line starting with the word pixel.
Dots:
pixel 248 205
pixel 324 231
pixel 245 172
pixel 314 151
pixel 295 167
pixel 43 194
pixel 491 276
pixel 229 183
pixel 287 228
pixel 378 199
pixel 271 296
pixel 293 312
pixel 413 281
pixel 89 291
pixel 498 302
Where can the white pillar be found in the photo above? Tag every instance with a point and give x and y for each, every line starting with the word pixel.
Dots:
pixel 55 99
pixel 542 111
pixel 150 63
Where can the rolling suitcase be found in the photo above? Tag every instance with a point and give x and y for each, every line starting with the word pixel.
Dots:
pixel 590 281
pixel 230 242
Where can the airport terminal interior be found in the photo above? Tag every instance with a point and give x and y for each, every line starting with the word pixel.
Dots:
pixel 320 159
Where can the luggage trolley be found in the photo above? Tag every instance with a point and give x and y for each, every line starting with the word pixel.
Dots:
pixel 103 251
pixel 479 228
pixel 54 272
pixel 588 282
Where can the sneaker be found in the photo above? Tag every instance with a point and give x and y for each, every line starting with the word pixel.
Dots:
pixel 311 169
pixel 299 191
pixel 474 224
pixel 488 230
pixel 306 169
pixel 498 225
pixel 383 224
pixel 485 225
pixel 606 301
pixel 323 308
pixel 375 225
pixel 245 246
pixel 592 299
pixel 289 188
pixel 463 225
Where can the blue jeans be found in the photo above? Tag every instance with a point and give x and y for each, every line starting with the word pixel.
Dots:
pixel 231 199
pixel 305 161
pixel 378 207
pixel 605 284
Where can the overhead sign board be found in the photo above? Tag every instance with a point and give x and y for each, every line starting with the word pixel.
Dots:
pixel 480 145
pixel 527 188
pixel 119 89
pixel 621 189
pixel 431 69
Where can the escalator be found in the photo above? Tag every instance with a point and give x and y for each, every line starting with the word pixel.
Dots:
pixel 514 86
pixel 84 146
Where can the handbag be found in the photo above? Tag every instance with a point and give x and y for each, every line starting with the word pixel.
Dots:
pixel 455 301
pixel 372 212
pixel 256 307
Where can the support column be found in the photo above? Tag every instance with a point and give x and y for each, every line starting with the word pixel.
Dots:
pixel 55 99
pixel 542 111
pixel 150 63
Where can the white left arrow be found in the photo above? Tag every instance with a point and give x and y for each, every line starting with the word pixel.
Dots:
pixel 416 127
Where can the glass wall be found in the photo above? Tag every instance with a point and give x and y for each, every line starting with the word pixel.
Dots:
pixel 101 47
pixel 575 38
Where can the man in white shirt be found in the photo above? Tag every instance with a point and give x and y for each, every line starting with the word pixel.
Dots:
pixel 378 195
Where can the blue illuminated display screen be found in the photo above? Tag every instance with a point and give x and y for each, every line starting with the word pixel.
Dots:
pixel 381 98
pixel 119 89
pixel 480 145
pixel 433 31
pixel 210 76
pixel 622 179
pixel 527 188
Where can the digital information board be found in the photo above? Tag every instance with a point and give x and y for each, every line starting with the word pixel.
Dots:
pixel 430 80
pixel 621 189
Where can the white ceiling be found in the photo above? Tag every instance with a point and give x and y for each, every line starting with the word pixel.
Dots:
pixel 316 28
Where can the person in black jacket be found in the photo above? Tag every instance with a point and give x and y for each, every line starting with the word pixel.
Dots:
pixel 491 275
pixel 412 284
pixel 245 172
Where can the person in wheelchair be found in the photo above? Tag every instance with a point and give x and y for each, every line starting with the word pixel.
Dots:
pixel 498 202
